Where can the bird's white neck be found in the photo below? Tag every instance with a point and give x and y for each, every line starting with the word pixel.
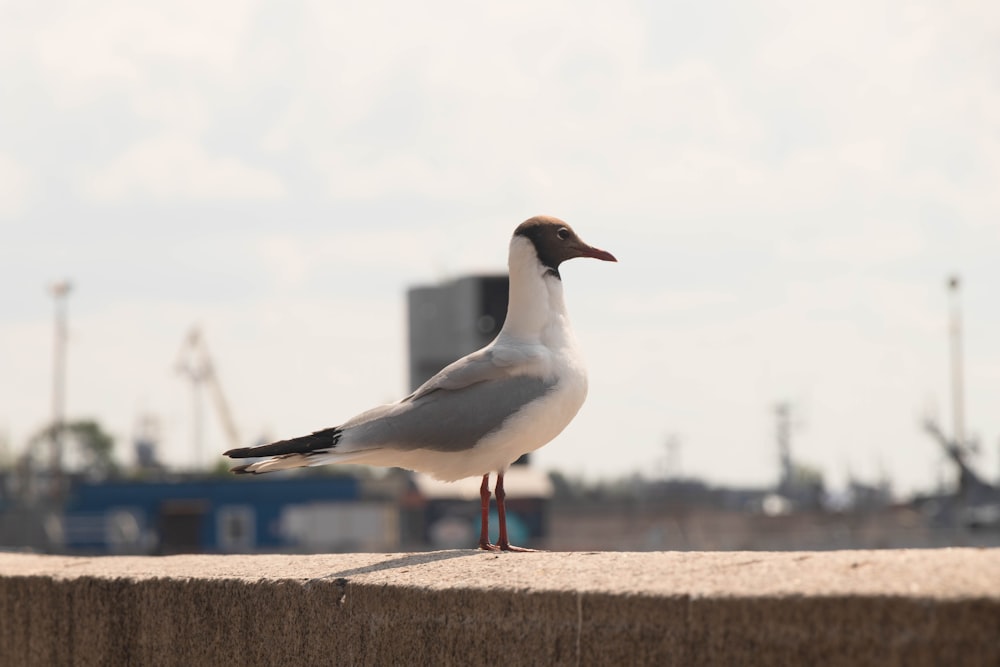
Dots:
pixel 536 295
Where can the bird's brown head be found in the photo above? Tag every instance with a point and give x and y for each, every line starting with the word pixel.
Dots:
pixel 555 242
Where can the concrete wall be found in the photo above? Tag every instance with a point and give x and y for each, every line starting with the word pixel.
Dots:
pixel 937 607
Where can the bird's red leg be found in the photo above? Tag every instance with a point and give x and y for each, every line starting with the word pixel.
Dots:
pixel 484 533
pixel 504 542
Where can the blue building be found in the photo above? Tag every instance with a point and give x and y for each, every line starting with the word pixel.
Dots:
pixel 228 515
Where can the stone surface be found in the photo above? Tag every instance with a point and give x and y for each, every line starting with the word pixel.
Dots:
pixel 460 607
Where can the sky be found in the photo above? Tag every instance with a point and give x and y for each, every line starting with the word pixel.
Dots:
pixel 787 187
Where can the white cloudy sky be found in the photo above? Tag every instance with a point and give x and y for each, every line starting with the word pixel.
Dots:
pixel 786 188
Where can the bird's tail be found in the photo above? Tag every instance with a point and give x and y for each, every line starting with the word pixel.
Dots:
pixel 295 453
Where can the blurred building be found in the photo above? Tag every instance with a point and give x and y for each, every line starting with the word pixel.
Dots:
pixel 450 320
pixel 228 515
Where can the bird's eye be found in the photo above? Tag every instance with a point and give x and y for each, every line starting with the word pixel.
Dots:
pixel 563 233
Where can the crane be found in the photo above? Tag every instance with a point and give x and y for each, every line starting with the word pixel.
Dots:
pixel 195 363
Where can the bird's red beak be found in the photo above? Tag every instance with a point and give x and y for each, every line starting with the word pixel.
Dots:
pixel 596 253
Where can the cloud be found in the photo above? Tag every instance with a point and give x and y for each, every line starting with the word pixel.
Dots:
pixel 15 187
pixel 179 168
pixel 786 188
pixel 670 302
pixel 865 242
pixel 291 260
pixel 86 51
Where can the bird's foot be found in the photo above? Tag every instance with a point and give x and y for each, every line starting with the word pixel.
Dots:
pixel 506 546
pixel 486 546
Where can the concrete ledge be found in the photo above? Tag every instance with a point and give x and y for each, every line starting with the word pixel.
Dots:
pixel 937 607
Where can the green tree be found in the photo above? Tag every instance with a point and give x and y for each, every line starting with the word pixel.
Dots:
pixel 94 444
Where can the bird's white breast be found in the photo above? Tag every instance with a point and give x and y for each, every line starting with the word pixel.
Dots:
pixel 541 420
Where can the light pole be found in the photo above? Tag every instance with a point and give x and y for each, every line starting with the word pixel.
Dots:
pixel 60 291
pixel 957 391
pixel 783 432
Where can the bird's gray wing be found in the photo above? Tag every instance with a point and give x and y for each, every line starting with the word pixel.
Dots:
pixel 495 362
pixel 456 408
pixel 444 420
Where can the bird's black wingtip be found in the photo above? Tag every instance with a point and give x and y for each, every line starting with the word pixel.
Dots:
pixel 238 453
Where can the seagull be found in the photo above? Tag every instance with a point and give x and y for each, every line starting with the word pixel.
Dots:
pixel 480 413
